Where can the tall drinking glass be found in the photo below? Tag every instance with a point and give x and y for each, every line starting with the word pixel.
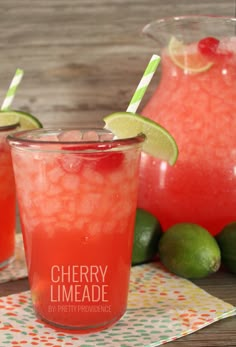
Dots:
pixel 195 102
pixel 77 193
pixel 7 200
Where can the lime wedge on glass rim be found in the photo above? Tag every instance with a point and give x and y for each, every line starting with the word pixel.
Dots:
pixel 159 142
pixel 9 119
pixel 24 120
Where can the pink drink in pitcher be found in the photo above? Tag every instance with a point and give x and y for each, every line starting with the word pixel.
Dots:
pixel 196 102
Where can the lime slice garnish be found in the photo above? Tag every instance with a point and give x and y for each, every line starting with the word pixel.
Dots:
pixel 159 143
pixel 8 119
pixel 25 120
pixel 188 58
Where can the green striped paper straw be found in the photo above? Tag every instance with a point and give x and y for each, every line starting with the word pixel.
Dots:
pixel 143 84
pixel 12 89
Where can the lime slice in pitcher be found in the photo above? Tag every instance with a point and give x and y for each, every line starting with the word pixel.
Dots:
pixel 25 120
pixel 159 143
pixel 188 58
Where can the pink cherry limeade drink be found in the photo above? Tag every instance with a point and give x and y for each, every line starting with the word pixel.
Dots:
pixel 77 214
pixel 198 108
pixel 7 201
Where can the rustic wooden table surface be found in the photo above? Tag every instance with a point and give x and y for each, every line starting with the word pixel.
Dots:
pixel 82 60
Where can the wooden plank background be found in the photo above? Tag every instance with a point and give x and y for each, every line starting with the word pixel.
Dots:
pixel 82 58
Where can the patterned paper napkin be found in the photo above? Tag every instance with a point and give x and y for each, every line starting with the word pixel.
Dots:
pixel 162 307
pixel 17 269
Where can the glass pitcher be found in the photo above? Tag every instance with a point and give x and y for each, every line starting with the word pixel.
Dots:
pixel 195 100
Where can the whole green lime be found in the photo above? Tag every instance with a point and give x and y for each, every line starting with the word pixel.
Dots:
pixel 189 251
pixel 227 242
pixel 147 233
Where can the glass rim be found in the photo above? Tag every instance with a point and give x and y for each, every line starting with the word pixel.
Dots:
pixel 20 139
pixel 188 17
pixel 189 28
